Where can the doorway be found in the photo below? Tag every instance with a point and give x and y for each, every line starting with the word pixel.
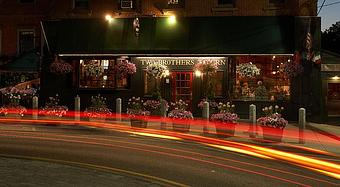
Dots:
pixel 182 87
pixel 333 99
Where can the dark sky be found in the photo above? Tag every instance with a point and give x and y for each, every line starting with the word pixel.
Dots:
pixel 330 13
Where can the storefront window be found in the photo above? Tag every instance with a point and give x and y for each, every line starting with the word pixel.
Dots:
pixel 268 84
pixel 100 74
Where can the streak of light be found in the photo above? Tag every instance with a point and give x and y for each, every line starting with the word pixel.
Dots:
pixel 293 158
pixel 177 151
pixel 154 135
pixel 239 151
pixel 303 160
pixel 175 155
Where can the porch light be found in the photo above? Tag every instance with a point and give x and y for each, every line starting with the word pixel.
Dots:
pixel 166 73
pixel 335 78
pixel 198 73
pixel 172 20
pixel 108 18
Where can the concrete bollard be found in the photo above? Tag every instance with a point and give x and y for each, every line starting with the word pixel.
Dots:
pixel 163 113
pixel 77 108
pixel 252 118
pixel 35 103
pixel 205 115
pixel 302 124
pixel 119 109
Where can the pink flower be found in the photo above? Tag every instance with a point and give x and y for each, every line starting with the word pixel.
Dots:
pixel 125 68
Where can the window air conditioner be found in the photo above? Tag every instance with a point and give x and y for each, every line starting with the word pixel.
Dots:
pixel 126 4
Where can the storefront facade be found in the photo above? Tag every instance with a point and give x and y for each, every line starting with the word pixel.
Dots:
pixel 93 47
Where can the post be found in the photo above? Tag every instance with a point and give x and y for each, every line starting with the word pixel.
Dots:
pixel 252 118
pixel 118 109
pixel 205 115
pixel 35 103
pixel 302 124
pixel 163 113
pixel 77 108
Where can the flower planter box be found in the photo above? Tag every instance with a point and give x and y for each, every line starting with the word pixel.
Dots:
pixel 138 123
pixel 13 116
pixel 225 129
pixel 181 127
pixel 272 134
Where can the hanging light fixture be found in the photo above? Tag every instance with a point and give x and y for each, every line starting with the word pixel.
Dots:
pixel 136 26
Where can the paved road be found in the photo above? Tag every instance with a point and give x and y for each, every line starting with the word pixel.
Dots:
pixel 75 156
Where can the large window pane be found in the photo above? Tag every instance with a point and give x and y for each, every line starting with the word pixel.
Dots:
pixel 271 84
pixel 97 74
pixel 26 41
pixel 149 84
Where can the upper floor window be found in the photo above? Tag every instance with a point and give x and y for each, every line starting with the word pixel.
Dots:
pixel 81 3
pixel 127 4
pixel 276 2
pixel 173 2
pixel 226 2
pixel 25 41
pixel 26 1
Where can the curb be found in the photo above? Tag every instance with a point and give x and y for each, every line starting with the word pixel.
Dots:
pixel 323 132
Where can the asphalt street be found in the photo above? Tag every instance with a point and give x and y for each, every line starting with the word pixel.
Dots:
pixel 79 156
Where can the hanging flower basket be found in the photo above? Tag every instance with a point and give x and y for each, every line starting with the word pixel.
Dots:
pixel 206 66
pixel 93 70
pixel 156 70
pixel 248 70
pixel 125 68
pixel 60 67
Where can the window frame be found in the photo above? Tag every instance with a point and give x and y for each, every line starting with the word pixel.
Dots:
pixel 115 81
pixel 18 39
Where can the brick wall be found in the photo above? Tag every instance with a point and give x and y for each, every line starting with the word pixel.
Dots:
pixel 14 16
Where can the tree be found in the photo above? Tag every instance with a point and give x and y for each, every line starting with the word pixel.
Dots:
pixel 330 38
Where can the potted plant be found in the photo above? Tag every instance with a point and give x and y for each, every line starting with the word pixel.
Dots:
pixel 53 109
pixel 137 112
pixel 272 123
pixel 125 68
pixel 212 105
pixel 97 111
pixel 179 112
pixel 225 120
pixel 154 106
pixel 13 109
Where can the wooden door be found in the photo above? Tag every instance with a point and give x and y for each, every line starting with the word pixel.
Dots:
pixel 182 87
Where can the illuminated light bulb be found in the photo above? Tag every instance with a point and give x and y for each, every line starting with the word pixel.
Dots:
pixel 109 18
pixel 274 57
pixel 172 19
pixel 198 73
pixel 167 73
pixel 335 78
pixel 288 60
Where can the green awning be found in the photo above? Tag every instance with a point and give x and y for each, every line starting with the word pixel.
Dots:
pixel 27 62
pixel 195 35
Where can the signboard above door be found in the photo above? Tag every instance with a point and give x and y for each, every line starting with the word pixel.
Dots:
pixel 174 63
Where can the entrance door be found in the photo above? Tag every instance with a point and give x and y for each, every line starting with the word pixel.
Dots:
pixel 333 99
pixel 182 87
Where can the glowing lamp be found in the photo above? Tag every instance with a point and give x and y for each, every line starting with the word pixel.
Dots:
pixel 198 73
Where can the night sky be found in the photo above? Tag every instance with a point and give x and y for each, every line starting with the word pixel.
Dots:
pixel 330 13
